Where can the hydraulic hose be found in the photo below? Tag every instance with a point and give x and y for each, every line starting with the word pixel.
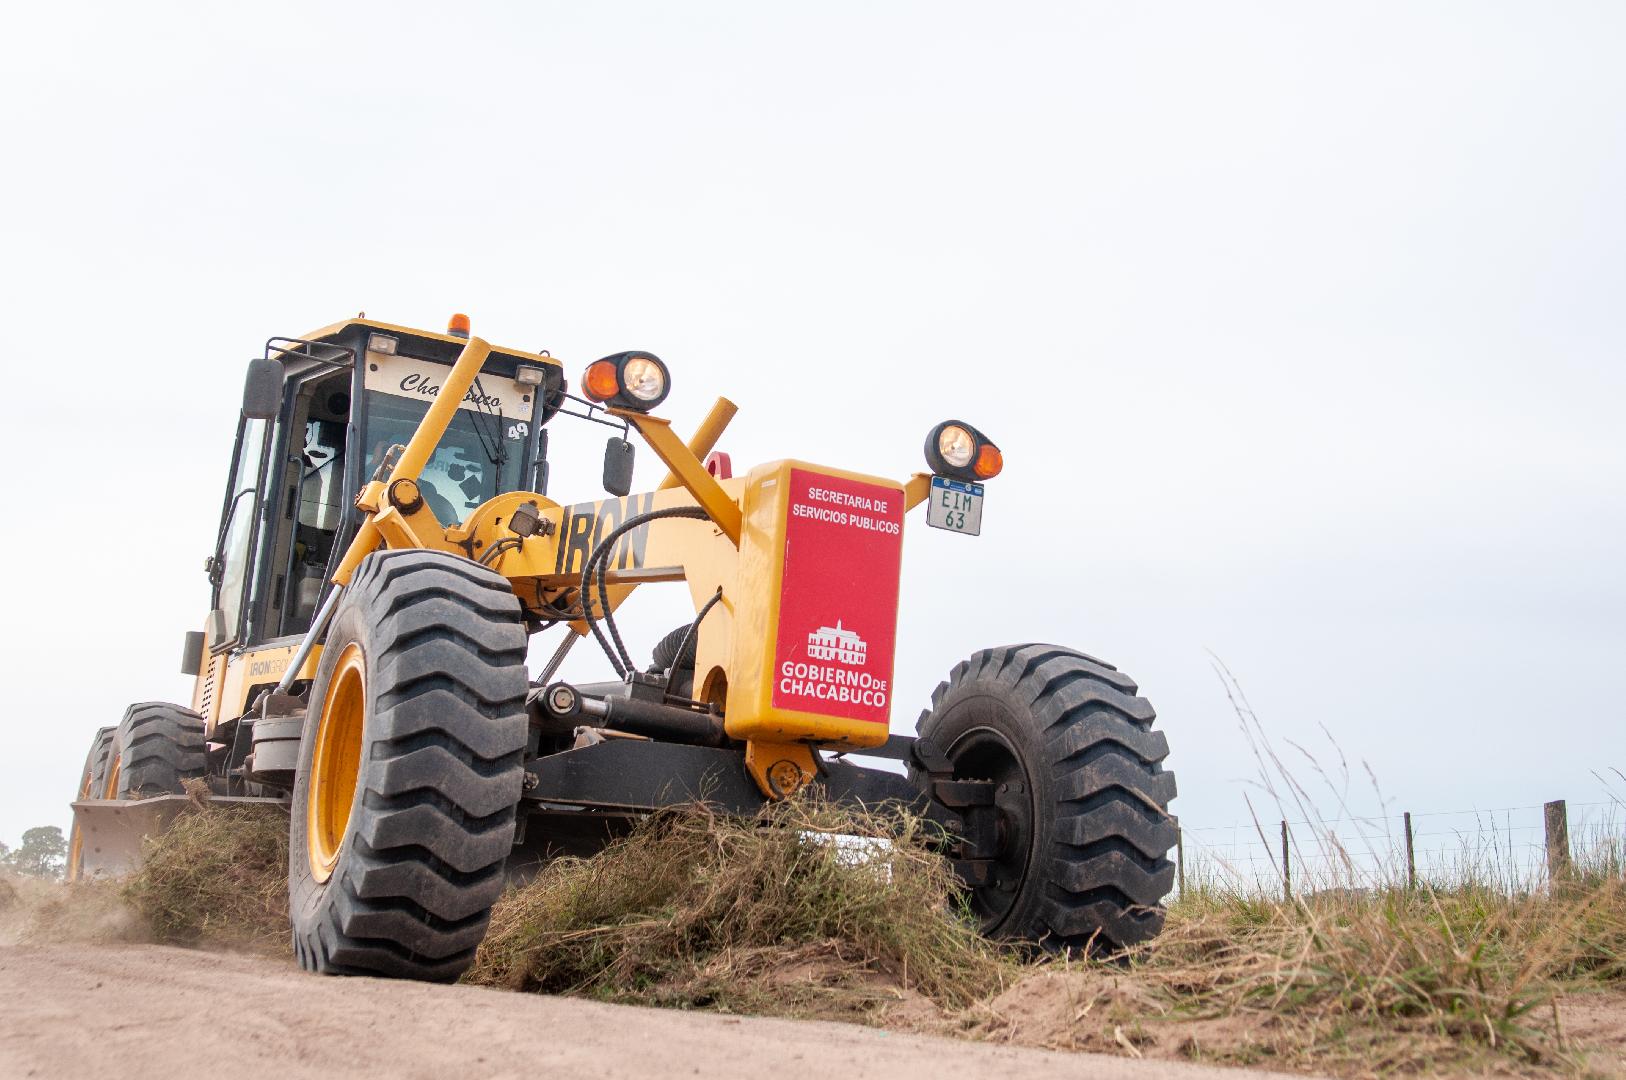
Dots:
pixel 620 659
pixel 694 628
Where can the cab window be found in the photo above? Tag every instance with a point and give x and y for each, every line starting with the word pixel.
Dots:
pixel 311 504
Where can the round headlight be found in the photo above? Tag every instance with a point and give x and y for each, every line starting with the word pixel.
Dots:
pixel 957 446
pixel 643 379
pixel 957 451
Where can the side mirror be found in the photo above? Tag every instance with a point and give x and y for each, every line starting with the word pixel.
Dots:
pixel 618 454
pixel 262 390
pixel 192 653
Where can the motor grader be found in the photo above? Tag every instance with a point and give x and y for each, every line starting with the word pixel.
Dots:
pixel 387 547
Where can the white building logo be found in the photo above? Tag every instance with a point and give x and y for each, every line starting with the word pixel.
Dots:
pixel 836 643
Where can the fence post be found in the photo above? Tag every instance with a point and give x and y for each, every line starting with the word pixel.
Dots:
pixel 1287 868
pixel 1180 858
pixel 1411 857
pixel 1558 840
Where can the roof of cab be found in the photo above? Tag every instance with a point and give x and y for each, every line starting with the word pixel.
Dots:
pixel 390 328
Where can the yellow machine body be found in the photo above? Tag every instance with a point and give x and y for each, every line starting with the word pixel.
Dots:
pixel 380 565
pixel 228 680
pixel 781 538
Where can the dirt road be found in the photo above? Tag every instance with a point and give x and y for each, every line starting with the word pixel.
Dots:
pixel 135 1011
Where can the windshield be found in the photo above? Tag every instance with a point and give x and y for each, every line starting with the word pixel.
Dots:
pixel 483 451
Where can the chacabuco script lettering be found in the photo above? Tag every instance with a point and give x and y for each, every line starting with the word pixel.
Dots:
pixel 831 684
pixel 423 385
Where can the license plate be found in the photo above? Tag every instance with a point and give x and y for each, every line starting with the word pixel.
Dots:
pixel 956 506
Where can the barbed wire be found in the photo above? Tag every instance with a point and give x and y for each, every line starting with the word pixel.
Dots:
pixel 1499 847
pixel 1415 815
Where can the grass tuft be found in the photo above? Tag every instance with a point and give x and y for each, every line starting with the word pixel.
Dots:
pixel 217 876
pixel 778 914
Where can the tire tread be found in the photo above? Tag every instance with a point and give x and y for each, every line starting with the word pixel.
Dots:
pixel 435 816
pixel 160 747
pixel 1102 859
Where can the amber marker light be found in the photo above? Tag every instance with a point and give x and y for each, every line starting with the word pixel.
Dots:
pixel 989 461
pixel 458 325
pixel 599 381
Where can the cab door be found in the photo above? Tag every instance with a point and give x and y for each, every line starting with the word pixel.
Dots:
pixel 231 568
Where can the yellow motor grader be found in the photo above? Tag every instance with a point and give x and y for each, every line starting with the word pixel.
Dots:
pixel 387 547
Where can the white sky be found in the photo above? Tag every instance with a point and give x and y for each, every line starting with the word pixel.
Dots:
pixel 1300 325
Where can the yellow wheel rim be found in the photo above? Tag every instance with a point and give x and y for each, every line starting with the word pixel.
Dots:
pixel 336 763
pixel 112 791
pixel 76 839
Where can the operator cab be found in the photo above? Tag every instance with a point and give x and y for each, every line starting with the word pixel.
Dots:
pixel 349 393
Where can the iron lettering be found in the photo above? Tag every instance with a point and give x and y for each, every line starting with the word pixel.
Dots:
pixel 585 525
pixel 275 665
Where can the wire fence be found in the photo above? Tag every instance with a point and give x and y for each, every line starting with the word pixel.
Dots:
pixel 1511 848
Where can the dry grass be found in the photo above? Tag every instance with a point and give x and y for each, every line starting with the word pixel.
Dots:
pixel 779 916
pixel 1388 981
pixel 218 876
pixel 702 912
pixel 773 915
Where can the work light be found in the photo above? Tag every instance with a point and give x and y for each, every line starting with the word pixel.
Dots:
pixel 629 380
pixel 956 445
pixel 959 451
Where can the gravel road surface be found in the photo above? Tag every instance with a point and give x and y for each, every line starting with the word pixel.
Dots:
pixel 135 1011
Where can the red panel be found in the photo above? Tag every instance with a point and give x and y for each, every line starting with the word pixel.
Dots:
pixel 838 608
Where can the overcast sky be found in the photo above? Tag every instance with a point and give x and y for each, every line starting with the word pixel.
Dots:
pixel 1300 325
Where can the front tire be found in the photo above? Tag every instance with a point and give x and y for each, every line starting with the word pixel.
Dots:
pixel 1083 795
pixel 409 770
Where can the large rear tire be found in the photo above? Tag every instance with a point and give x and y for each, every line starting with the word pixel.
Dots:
pixel 92 785
pixel 409 770
pixel 1084 796
pixel 160 747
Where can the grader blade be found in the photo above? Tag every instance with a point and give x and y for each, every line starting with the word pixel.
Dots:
pixel 112 829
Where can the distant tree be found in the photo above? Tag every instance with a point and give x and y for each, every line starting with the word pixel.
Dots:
pixel 44 853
